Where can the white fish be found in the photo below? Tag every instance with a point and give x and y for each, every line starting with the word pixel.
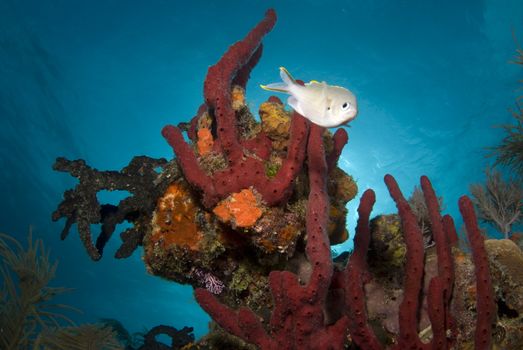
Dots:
pixel 323 104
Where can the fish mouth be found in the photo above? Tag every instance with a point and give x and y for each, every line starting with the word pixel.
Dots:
pixel 352 116
pixel 346 123
pixel 342 122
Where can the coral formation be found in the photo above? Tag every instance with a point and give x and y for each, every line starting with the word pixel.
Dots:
pixel 245 157
pixel 443 328
pixel 506 261
pixel 205 141
pixel 180 339
pixel 506 265
pixel 217 338
pixel 241 209
pixel 276 123
pixel 248 210
pixel 249 216
pixel 297 319
pixel 81 206
pixel 387 250
pixel 174 219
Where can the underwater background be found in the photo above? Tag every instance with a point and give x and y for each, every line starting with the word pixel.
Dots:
pixel 98 80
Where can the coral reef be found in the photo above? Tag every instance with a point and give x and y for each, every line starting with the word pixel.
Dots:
pixel 232 206
pixel 444 325
pixel 246 214
pixel 440 286
pixel 245 156
pixel 297 319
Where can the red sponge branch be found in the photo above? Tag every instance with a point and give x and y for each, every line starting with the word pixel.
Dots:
pixel 408 312
pixel 297 320
pixel 484 295
pixel 239 58
pixel 354 279
pixel 443 284
pixel 445 262
pixel 340 139
pixel 245 157
pixel 450 229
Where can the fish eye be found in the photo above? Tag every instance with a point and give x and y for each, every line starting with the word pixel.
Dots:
pixel 345 106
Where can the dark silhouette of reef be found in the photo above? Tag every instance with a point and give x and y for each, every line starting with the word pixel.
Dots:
pixel 80 205
pixel 179 338
pixel 246 214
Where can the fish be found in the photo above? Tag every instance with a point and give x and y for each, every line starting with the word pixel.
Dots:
pixel 325 105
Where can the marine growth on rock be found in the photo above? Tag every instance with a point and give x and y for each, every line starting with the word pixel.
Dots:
pixel 246 213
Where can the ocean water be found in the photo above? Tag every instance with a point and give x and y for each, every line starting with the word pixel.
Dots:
pixel 98 80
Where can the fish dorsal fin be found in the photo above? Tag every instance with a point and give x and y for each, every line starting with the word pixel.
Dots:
pixel 323 95
pixel 314 82
pixel 286 76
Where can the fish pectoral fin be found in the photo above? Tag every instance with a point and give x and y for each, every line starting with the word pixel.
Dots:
pixel 279 87
pixel 293 102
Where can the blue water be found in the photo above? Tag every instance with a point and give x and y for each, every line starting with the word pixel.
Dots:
pixel 98 80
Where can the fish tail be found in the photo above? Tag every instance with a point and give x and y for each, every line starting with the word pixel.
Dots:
pixel 287 77
pixel 285 86
pixel 278 87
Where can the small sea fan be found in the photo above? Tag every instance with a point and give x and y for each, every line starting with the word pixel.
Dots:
pixel 84 337
pixel 499 202
pixel 25 306
pixel 510 151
